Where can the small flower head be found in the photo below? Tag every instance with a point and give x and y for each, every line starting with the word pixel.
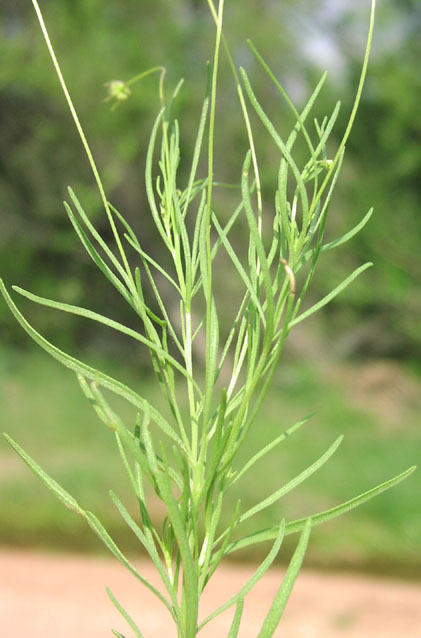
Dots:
pixel 117 91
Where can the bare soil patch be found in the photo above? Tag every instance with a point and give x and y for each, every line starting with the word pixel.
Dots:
pixel 55 596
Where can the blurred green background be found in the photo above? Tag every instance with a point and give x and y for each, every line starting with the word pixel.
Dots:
pixel 356 364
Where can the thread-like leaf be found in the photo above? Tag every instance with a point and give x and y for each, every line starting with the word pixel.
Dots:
pixel 198 144
pixel 149 182
pixel 125 615
pixel 115 325
pixel 344 284
pixel 235 626
pixel 155 264
pixel 251 289
pixel 304 113
pixel 288 487
pixel 52 485
pixel 95 234
pixel 269 447
pixel 277 608
pixel 96 257
pixel 104 536
pixel 278 141
pixel 256 238
pixel 149 545
pixel 260 571
pixel 189 568
pixel 349 235
pixel 87 371
pixel 71 503
pixel 322 517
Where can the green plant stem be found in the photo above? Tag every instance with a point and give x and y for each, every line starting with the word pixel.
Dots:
pixel 354 110
pixel 83 138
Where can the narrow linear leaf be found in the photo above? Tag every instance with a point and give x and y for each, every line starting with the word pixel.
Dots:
pixel 137 488
pixel 104 536
pixel 226 535
pixel 168 324
pixel 278 141
pixel 270 447
pixel 189 568
pixel 206 550
pixel 112 421
pixel 154 263
pixel 255 236
pixel 294 482
pixel 317 226
pixel 63 496
pixel 149 181
pixel 354 109
pixel 199 186
pixel 85 370
pixel 106 321
pixel 198 145
pixel 96 257
pixel 319 219
pixel 344 284
pixel 277 608
pixel 238 266
pixel 350 234
pixel 339 241
pixel 202 249
pixel 212 343
pixel 233 633
pixel 300 118
pixel 324 136
pixel 148 544
pixel 124 222
pixel 322 517
pixel 238 328
pixel 95 234
pixel 334 512
pixel 217 449
pixel 125 615
pixel 197 242
pixel 260 571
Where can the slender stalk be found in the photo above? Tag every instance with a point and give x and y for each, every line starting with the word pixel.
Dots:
pixel 208 291
pixel 83 138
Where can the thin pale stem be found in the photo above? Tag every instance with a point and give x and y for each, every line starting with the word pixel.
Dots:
pixel 84 140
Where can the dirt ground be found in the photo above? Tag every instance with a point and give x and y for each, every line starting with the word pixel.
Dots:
pixel 50 596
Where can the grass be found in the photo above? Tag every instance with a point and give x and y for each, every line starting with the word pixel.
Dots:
pixel 383 536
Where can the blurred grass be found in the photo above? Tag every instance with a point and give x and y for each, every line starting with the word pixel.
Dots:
pixel 376 406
